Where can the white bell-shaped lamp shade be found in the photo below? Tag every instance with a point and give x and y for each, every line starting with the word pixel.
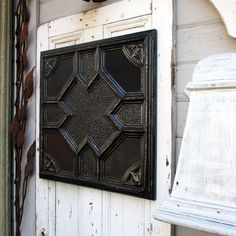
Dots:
pixel 204 189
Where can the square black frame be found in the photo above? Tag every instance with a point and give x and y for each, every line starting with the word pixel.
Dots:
pixel 141 50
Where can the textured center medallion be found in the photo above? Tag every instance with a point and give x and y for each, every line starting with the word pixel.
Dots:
pixel 90 119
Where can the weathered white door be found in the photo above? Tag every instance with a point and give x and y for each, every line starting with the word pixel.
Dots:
pixel 65 209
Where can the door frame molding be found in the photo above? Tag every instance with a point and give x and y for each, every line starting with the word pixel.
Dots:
pixel 5 115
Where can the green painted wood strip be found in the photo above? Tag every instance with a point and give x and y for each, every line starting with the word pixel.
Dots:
pixel 5 106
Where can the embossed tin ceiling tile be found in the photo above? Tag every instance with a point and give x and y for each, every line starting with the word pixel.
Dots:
pixel 98 114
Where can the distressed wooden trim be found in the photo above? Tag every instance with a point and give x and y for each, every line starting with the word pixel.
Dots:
pixel 5 75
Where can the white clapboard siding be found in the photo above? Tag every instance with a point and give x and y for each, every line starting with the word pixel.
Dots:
pixel 200 32
pixel 42 194
pixel 65 209
pixel 195 43
pixel 192 13
pixel 226 10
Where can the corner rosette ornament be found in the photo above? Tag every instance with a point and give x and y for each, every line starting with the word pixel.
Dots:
pixel 134 53
pixel 133 176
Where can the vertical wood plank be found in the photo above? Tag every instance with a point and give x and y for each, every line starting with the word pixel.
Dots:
pixel 5 110
pixel 106 213
pixel 129 215
pixel 64 207
pixel 28 220
pixel 117 214
pixel 81 211
pixel 51 208
pixel 67 209
pixel 91 217
pixel 42 191
pixel 106 196
pixel 133 211
pixel 163 9
pixel 147 218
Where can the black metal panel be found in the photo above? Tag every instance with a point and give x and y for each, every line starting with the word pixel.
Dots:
pixel 98 112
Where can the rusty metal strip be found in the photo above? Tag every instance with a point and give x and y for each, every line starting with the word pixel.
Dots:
pixel 23 91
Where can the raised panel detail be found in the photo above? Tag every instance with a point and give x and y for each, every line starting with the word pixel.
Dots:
pixel 126 26
pixel 66 39
pixel 98 114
